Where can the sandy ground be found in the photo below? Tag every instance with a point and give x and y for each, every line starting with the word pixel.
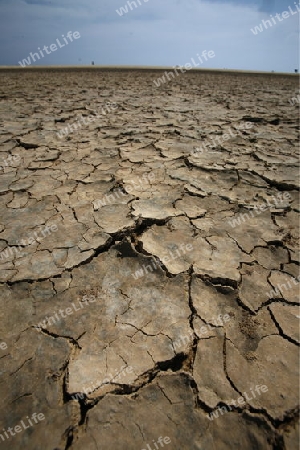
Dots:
pixel 149 260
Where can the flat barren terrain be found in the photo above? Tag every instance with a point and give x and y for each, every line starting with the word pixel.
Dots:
pixel 149 260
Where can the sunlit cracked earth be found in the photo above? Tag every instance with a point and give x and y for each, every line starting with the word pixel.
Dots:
pixel 144 351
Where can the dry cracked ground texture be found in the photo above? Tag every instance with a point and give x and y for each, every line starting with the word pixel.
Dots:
pixel 149 357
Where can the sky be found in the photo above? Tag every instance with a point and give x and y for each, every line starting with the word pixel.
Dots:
pixel 154 33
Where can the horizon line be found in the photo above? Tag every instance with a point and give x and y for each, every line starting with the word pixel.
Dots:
pixel 141 67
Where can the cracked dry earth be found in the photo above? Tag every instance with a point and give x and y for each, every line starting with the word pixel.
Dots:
pixel 149 357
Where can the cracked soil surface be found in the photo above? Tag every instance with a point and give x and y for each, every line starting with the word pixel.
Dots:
pixel 144 356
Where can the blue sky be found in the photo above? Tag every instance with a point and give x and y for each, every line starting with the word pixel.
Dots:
pixel 157 32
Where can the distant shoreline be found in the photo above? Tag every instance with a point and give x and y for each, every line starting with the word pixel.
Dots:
pixel 141 68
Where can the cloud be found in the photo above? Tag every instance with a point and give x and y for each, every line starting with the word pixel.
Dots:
pixel 155 33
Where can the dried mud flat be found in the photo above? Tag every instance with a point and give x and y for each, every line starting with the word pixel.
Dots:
pixel 148 292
